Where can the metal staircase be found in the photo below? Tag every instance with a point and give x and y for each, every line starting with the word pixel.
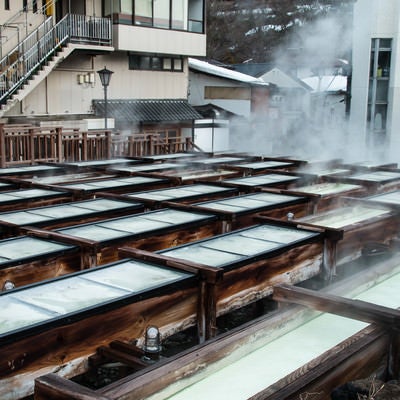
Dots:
pixel 27 64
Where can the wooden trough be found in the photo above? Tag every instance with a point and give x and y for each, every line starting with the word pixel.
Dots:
pixel 252 260
pixel 99 164
pixel 239 211
pixel 264 166
pixel 351 229
pixel 157 168
pixel 322 171
pixel 221 160
pixel 185 194
pixel 5 186
pixel 256 182
pixel 88 189
pixel 47 182
pixel 181 174
pixel 24 260
pixel 293 353
pixel 387 199
pixel 63 215
pixel 55 325
pixel 30 171
pixel 171 156
pixel 326 196
pixel 151 231
pixel 23 198
pixel 380 181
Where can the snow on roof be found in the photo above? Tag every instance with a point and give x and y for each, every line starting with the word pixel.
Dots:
pixel 203 66
pixel 327 83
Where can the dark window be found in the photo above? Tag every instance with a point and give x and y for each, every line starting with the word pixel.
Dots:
pixel 34 6
pixel 6 4
pixel 378 90
pixel 25 5
pixel 155 63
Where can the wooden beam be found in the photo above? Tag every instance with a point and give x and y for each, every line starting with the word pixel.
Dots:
pixel 52 386
pixel 127 348
pixel 210 274
pixel 47 234
pixel 359 355
pixel 355 309
pixel 121 356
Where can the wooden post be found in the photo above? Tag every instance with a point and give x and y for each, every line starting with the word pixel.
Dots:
pixel 52 386
pixel 59 156
pixel 349 308
pixel 2 147
pixel 109 145
pixel 84 155
pixel 31 146
pixel 329 263
pixel 392 366
pixel 188 144
pixel 202 312
pixel 211 311
pixel 151 145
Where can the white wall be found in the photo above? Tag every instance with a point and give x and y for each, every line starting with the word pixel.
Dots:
pixel 158 41
pixel 375 19
pixel 197 84
pixel 212 135
pixel 60 92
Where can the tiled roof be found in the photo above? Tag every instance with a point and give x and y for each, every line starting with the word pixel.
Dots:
pixel 147 110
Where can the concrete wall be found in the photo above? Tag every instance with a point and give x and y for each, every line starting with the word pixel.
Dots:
pixel 60 92
pixel 198 83
pixel 375 19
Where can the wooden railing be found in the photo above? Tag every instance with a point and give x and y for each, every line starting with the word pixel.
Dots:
pixel 150 144
pixel 27 144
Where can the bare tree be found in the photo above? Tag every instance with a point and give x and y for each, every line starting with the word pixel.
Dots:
pixel 253 29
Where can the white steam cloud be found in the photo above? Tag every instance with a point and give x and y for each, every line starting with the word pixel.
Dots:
pixel 310 125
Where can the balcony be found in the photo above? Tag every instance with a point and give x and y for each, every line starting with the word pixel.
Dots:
pixel 155 40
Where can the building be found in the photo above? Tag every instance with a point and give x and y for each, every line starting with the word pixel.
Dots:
pixel 52 50
pixel 375 79
pixel 242 99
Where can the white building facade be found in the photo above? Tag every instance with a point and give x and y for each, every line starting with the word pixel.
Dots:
pixel 375 77
pixel 145 43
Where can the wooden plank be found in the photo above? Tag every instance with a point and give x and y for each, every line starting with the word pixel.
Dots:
pixel 52 386
pixel 127 348
pixel 356 357
pixel 356 309
pixel 120 356
pixel 210 274
pixel 194 361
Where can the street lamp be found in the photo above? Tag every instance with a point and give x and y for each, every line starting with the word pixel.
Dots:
pixel 105 77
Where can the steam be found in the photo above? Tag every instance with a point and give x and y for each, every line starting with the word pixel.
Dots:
pixel 321 131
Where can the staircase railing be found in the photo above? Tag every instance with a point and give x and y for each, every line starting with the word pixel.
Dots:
pixel 39 45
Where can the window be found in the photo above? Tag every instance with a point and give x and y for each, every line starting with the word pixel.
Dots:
pixel 378 90
pixel 161 13
pixel 144 12
pixel 196 16
pixel 34 6
pixel 179 12
pixel 6 4
pixel 25 5
pixel 155 63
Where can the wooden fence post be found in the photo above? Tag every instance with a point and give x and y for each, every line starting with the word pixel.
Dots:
pixel 59 150
pixel 151 145
pixel 109 144
pixel 2 147
pixel 31 146
pixel 84 155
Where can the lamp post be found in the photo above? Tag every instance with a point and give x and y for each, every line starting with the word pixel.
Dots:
pixel 105 77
